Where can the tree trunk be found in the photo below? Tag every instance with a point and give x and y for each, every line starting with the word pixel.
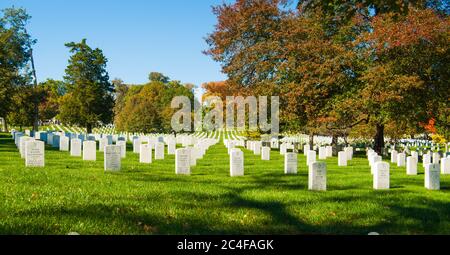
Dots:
pixel 89 128
pixel 379 139
pixel 334 144
pixel 4 126
pixel 311 140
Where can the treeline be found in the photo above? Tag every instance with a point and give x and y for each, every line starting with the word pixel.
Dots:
pixel 146 108
pixel 340 67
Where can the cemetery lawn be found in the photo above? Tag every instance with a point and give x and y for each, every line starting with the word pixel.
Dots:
pixel 70 195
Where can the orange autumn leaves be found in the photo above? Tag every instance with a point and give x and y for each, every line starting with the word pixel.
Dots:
pixel 332 73
pixel 390 31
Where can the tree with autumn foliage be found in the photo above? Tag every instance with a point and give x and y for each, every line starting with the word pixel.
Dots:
pixel 367 64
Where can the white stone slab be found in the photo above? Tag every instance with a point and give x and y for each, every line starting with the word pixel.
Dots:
pixel 123 147
pixel 317 176
pixel 411 166
pixel 64 143
pixel 342 158
pixel 75 147
pixel 89 150
pixel 159 151
pixel 112 158
pixel 265 153
pixel 290 163
pixel 401 159
pixel 381 176
pixel 445 166
pixel 432 177
pixel 145 154
pixel 322 153
pixel 34 153
pixel 394 155
pixel 183 161
pixel 236 163
pixel 310 157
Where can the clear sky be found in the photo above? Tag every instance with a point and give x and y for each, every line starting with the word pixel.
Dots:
pixel 137 36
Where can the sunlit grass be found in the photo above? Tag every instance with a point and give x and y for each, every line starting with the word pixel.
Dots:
pixel 70 195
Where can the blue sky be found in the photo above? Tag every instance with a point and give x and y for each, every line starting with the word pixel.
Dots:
pixel 137 36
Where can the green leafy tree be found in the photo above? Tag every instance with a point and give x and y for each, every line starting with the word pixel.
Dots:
pixel 146 108
pixel 23 113
pixel 158 77
pixel 15 52
pixel 50 92
pixel 89 99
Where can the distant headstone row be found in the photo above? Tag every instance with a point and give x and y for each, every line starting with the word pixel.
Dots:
pixel 194 147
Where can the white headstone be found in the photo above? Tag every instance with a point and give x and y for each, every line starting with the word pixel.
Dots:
pixel 22 142
pixel 236 163
pixel 159 151
pixel 265 153
pixel 113 157
pixel 123 148
pixel 145 154
pixel 401 159
pixel 64 143
pixel 349 151
pixel 90 150
pixel 322 153
pixel 445 166
pixel 257 148
pixel 306 148
pixel 310 157
pixel 394 154
pixel 103 142
pixel 136 145
pixel 375 160
pixel 182 161
pixel 34 153
pixel 75 147
pixel 329 151
pixel 381 176
pixel 436 158
pixel 371 157
pixel 411 166
pixel 342 158
pixel 171 147
pixel 415 155
pixel 426 159
pixel 290 163
pixel 317 179
pixel 283 149
pixel 432 177
pixel 193 156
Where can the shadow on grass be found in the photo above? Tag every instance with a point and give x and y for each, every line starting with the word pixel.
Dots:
pixel 120 218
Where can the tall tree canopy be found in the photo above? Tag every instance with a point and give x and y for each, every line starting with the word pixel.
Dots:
pixel 339 64
pixel 89 99
pixel 15 48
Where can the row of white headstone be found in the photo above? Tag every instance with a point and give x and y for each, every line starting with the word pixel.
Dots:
pixel 381 173
pixel 34 151
pixel 317 179
pixel 412 161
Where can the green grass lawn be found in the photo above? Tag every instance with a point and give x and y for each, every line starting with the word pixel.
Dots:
pixel 70 195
